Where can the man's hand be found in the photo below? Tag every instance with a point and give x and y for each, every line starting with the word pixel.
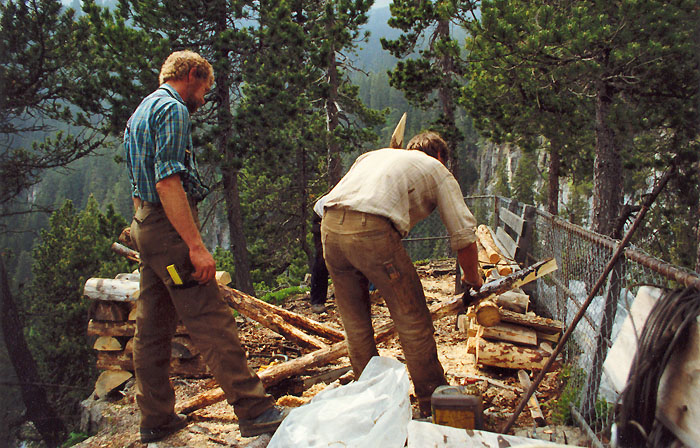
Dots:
pixel 469 261
pixel 176 207
pixel 204 265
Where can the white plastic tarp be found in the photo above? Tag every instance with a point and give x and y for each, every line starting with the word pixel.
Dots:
pixel 373 411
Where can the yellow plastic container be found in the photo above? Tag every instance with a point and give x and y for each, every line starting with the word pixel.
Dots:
pixel 457 406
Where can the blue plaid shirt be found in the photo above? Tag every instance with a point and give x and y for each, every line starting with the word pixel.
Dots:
pixel 158 144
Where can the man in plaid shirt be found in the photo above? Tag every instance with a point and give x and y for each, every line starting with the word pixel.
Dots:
pixel 177 270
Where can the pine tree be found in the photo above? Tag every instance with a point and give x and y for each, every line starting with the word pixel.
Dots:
pixel 74 247
pixel 436 73
pixel 49 95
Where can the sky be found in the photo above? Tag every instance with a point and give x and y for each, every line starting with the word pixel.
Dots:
pixel 381 3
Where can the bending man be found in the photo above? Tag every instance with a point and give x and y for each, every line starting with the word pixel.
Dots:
pixel 384 194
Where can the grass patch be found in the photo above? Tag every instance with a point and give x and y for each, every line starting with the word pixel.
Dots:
pixel 278 297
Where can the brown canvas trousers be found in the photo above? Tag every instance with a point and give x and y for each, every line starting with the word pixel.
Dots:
pixel 360 247
pixel 209 321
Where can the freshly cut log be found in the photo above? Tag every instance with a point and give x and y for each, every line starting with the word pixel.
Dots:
pixel 108 344
pixel 237 299
pixel 535 410
pixel 504 269
pixel 223 277
pixel 110 380
pixel 509 356
pixel 541 324
pixel 98 328
pixel 490 247
pixel 514 301
pixel 111 289
pixel 487 313
pixel 510 333
pixel 108 310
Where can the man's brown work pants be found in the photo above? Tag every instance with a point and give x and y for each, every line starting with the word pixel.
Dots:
pixel 209 321
pixel 357 247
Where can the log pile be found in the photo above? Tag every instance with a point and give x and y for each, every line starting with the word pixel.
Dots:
pixel 112 323
pixel 503 334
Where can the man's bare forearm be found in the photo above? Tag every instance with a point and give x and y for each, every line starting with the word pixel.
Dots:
pixel 468 258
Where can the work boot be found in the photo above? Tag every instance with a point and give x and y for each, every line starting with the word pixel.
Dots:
pixel 176 423
pixel 318 308
pixel 268 421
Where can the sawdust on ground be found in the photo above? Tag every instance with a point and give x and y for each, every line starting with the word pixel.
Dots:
pixel 216 425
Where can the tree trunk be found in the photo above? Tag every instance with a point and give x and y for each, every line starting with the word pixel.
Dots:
pixel 224 121
pixel 39 410
pixel 607 174
pixel 446 95
pixel 335 167
pixel 553 192
pixel 239 247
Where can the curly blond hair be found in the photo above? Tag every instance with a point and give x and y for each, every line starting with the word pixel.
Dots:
pixel 179 64
pixel 430 143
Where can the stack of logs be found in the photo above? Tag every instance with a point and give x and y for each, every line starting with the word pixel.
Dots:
pixel 502 333
pixel 112 324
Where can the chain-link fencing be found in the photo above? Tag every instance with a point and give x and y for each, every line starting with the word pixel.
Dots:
pixel 581 257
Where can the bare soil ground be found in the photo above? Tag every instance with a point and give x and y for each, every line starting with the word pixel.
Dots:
pixel 216 426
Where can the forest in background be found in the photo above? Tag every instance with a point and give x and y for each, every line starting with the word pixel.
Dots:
pixel 574 107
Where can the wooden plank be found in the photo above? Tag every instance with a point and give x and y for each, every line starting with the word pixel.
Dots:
pixel 679 391
pixel 509 246
pixel 513 221
pixel 532 402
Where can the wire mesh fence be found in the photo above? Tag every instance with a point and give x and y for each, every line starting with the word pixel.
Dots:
pixel 581 257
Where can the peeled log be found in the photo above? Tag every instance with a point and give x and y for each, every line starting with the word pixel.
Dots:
pixel 513 301
pixel 509 356
pixel 242 302
pixel 541 324
pixel 490 247
pixel 111 289
pixel 510 333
